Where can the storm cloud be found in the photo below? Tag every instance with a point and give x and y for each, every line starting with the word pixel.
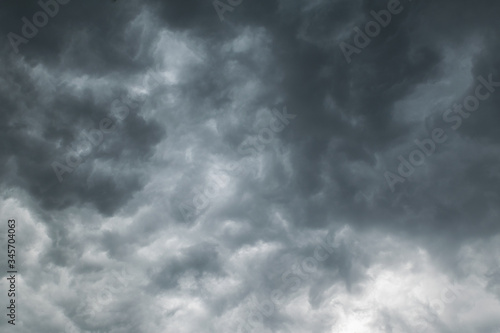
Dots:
pixel 252 166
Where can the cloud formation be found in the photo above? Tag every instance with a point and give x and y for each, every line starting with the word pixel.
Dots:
pixel 140 104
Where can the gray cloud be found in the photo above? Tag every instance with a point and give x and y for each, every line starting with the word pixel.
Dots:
pixel 108 249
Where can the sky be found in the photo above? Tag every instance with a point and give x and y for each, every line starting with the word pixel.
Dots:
pixel 246 166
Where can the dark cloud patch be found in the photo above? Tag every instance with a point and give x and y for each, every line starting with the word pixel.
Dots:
pixel 196 260
pixel 43 126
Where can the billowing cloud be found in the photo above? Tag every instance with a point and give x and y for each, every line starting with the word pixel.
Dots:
pixel 296 166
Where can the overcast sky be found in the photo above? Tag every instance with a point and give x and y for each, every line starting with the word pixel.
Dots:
pixel 252 166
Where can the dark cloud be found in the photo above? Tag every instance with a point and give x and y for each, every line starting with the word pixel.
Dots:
pixel 192 100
